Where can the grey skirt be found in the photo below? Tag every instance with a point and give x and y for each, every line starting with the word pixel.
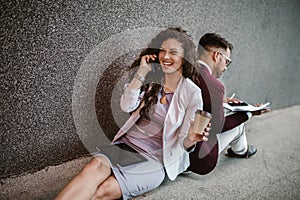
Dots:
pixel 136 172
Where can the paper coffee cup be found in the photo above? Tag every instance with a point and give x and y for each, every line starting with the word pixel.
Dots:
pixel 201 121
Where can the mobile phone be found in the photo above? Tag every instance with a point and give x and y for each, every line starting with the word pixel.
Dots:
pixel 153 68
pixel 154 65
pixel 238 104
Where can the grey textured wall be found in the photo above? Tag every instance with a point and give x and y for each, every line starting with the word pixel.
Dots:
pixel 45 44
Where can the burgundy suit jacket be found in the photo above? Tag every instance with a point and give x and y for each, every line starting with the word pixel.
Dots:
pixel 205 156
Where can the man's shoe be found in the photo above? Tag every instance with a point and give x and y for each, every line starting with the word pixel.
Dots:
pixel 250 152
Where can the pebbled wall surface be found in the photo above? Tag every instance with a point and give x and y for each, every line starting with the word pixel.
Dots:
pixel 48 66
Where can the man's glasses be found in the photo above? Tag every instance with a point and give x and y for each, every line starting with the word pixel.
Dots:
pixel 228 60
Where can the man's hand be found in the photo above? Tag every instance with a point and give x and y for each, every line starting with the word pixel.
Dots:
pixel 259 112
pixel 232 100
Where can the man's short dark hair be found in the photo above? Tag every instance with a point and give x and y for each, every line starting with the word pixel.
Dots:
pixel 212 40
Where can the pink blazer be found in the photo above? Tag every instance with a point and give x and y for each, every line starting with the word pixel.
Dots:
pixel 186 100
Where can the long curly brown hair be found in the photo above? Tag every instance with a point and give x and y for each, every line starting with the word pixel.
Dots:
pixel 153 79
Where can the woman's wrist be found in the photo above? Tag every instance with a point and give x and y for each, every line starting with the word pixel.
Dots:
pixel 141 74
pixel 187 142
pixel 142 71
pixel 140 78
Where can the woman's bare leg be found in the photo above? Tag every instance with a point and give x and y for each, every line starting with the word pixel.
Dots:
pixel 108 190
pixel 85 184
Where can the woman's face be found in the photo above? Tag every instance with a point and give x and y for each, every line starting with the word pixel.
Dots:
pixel 170 56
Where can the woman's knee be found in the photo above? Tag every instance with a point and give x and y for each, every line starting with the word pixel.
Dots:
pixel 97 165
pixel 109 189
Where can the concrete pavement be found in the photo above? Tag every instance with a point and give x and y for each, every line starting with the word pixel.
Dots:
pixel 273 173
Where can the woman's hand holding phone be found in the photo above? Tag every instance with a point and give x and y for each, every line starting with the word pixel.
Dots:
pixel 144 68
pixel 145 65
